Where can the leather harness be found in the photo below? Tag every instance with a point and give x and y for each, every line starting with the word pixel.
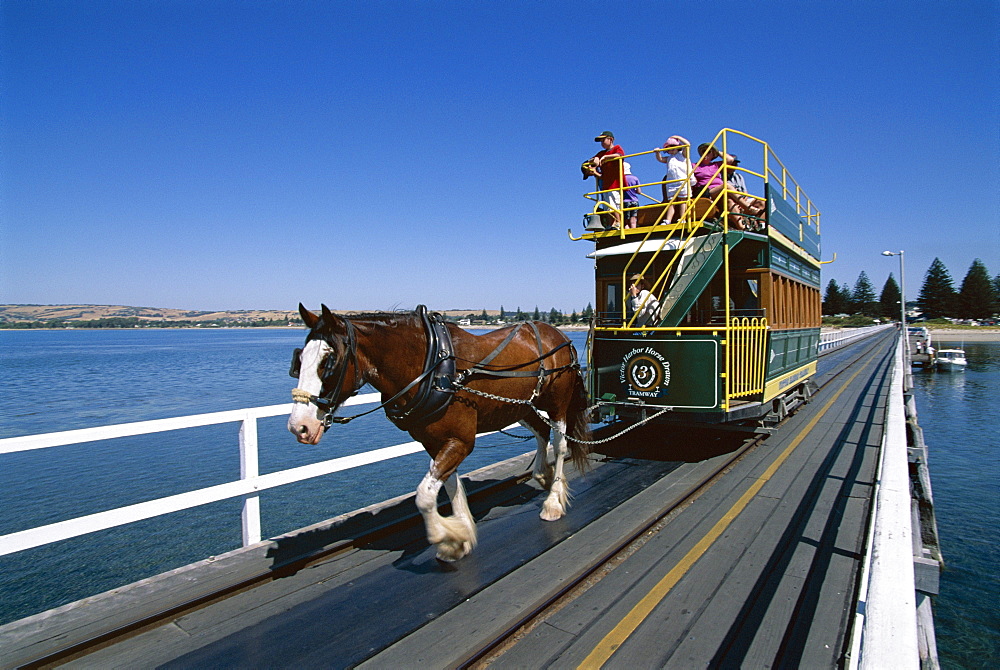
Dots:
pixel 437 384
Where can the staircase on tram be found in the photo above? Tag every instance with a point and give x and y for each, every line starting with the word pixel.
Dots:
pixel 700 260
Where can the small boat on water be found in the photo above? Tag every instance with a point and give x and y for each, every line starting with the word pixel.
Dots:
pixel 950 359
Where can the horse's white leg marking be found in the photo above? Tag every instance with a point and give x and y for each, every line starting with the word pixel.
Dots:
pixel 557 501
pixel 303 422
pixel 454 536
pixel 542 471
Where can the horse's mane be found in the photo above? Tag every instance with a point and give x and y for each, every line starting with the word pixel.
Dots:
pixel 386 318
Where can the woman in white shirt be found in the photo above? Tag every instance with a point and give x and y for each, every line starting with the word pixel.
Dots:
pixel 678 178
pixel 644 304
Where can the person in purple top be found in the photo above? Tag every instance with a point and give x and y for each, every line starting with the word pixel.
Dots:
pixel 631 196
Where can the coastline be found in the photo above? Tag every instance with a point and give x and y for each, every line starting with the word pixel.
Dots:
pixel 962 335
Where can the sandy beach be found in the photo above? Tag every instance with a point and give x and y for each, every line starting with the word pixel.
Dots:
pixel 960 335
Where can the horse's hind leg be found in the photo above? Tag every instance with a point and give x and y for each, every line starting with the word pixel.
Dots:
pixel 557 501
pixel 542 470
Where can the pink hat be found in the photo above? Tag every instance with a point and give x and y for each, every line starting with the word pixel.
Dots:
pixel 672 142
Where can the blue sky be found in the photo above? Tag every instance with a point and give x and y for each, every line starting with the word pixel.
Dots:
pixel 377 155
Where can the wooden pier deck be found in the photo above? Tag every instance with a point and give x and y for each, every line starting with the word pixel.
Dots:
pixel 690 549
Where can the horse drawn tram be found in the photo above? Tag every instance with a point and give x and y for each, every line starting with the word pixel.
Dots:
pixel 708 299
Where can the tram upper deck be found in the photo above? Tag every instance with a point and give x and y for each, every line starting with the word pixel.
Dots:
pixel 731 299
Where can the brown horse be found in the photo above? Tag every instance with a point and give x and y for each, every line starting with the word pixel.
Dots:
pixel 393 352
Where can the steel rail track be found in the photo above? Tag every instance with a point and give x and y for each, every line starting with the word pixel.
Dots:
pixel 474 657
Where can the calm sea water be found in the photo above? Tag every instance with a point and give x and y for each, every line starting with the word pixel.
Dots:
pixel 960 416
pixel 62 380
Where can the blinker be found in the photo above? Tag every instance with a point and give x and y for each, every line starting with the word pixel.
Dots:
pixel 296 366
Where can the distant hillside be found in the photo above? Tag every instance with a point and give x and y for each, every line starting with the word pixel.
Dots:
pixel 24 314
pixel 77 313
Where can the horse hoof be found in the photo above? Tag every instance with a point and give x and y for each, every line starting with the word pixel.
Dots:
pixel 551 512
pixel 449 552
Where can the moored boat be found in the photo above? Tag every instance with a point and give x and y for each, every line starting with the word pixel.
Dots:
pixel 950 359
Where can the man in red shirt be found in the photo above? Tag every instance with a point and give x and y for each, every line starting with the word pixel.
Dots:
pixel 609 160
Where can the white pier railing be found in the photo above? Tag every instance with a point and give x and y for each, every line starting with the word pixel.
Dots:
pixel 249 485
pixel 832 339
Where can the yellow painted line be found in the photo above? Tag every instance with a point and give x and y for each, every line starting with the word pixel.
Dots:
pixel 613 640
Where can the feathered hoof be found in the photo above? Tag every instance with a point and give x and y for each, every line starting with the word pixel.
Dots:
pixel 451 551
pixel 552 511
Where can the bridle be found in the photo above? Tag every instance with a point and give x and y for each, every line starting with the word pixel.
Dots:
pixel 334 367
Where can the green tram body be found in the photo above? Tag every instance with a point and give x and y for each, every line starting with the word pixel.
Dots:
pixel 736 337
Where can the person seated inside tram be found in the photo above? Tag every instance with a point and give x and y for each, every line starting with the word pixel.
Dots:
pixel 676 184
pixel 643 303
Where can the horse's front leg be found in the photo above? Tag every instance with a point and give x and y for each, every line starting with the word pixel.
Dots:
pixel 454 536
pixel 557 502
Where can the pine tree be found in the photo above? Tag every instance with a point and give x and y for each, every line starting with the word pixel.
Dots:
pixel 833 300
pixel 889 299
pixel 863 296
pixel 976 298
pixel 588 312
pixel 501 312
pixel 520 315
pixel 537 315
pixel 555 316
pixel 849 306
pixel 996 292
pixel 937 296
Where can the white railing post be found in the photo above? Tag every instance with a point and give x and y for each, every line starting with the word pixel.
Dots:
pixel 250 469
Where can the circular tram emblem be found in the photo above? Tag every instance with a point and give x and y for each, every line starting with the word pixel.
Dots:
pixel 645 371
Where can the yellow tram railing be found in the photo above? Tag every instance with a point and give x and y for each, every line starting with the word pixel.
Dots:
pixel 746 356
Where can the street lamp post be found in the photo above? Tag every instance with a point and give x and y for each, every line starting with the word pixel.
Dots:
pixel 902 300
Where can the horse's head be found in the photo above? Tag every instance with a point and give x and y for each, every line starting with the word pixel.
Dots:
pixel 327 371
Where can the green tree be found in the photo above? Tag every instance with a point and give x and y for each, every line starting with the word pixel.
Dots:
pixel 501 312
pixel 976 298
pixel 588 312
pixel 520 315
pixel 889 299
pixel 996 292
pixel 849 306
pixel 863 296
pixel 833 300
pixel 937 295
pixel 484 316
pixel 536 316
pixel 555 316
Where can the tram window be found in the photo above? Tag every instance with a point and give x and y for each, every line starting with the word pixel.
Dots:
pixel 613 298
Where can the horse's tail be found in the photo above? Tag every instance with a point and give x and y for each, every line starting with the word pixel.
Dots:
pixel 577 426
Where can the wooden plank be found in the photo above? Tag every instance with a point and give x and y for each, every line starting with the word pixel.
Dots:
pixel 444 641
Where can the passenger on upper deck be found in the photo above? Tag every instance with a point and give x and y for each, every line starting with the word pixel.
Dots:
pixel 609 161
pixel 678 178
pixel 708 173
pixel 742 203
pixel 632 193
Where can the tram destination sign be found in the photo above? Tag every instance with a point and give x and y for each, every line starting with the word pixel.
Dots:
pixel 665 372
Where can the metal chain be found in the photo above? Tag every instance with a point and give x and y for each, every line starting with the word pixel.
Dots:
pixel 550 424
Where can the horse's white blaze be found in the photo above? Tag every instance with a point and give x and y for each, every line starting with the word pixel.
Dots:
pixel 454 536
pixel 305 414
